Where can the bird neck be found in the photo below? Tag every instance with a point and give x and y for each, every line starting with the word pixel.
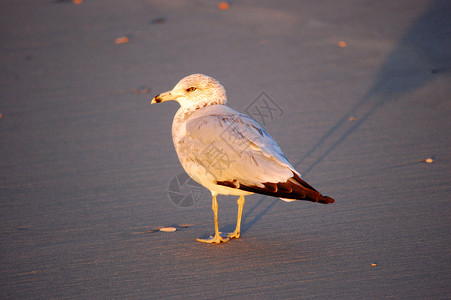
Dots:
pixel 185 111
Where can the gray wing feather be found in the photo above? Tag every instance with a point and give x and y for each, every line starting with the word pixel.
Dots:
pixel 233 147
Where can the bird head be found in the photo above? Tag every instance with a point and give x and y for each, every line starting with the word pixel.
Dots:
pixel 195 90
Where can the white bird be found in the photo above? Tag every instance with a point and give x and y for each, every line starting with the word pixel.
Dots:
pixel 228 152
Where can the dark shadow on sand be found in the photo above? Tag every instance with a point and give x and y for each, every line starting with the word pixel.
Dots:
pixel 423 54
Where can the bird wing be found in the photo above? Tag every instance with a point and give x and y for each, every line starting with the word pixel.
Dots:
pixel 237 152
pixel 232 146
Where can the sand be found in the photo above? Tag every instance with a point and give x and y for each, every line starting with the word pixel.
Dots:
pixel 86 161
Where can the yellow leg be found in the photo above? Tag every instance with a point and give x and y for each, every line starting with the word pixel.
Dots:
pixel 236 233
pixel 217 238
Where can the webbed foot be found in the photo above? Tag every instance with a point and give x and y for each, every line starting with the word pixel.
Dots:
pixel 233 235
pixel 216 239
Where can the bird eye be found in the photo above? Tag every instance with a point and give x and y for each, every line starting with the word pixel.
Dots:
pixel 191 89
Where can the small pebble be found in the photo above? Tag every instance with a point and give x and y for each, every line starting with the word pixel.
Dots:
pixel 28 273
pixel 158 21
pixel 121 40
pixel 223 6
pixel 168 229
pixel 142 90
pixel 185 225
pixel 437 70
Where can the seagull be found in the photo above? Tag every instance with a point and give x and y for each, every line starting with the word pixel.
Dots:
pixel 228 152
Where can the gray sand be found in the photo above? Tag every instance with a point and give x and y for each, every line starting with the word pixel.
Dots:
pixel 86 161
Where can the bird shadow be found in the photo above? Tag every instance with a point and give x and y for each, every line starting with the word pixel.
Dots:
pixel 420 56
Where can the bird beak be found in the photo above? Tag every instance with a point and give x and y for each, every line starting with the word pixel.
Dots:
pixel 166 96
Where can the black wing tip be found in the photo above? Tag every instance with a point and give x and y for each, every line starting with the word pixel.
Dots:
pixel 326 200
pixel 288 190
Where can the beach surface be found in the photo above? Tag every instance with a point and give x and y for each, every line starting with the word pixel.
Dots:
pixel 356 93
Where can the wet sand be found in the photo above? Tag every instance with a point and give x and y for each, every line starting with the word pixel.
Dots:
pixel 362 95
